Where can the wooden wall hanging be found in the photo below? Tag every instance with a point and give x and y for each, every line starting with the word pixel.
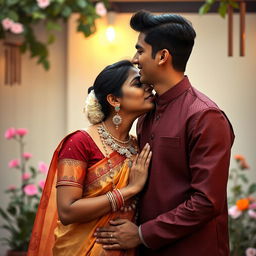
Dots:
pixel 12 56
pixel 242 28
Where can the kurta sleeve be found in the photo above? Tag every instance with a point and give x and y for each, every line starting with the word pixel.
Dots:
pixel 210 137
pixel 72 163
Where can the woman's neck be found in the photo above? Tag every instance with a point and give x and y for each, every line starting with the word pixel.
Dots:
pixel 122 133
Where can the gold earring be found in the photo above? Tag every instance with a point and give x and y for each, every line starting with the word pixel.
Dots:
pixel 117 119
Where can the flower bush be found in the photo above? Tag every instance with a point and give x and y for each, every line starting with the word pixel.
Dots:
pixel 24 199
pixel 19 16
pixel 242 211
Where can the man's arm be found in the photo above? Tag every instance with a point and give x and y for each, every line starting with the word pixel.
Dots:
pixel 210 141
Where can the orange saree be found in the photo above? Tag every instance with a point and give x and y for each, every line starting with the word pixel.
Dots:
pixel 51 237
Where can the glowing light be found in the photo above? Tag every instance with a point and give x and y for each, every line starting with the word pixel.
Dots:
pixel 110 33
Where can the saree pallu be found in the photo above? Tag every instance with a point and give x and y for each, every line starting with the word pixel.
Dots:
pixel 50 237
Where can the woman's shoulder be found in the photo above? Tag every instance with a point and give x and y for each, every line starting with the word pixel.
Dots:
pixel 78 135
pixel 76 145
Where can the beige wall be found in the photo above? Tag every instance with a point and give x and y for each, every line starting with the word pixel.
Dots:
pixel 38 104
pixel 50 103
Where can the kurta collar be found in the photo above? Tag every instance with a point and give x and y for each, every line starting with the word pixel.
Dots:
pixel 174 92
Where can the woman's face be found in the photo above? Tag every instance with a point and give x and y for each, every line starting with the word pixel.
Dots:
pixel 136 98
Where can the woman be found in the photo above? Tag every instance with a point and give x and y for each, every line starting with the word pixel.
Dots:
pixel 97 172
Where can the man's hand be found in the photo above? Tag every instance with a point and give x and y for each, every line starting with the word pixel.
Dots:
pixel 122 234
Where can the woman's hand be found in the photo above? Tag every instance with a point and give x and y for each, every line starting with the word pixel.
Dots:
pixel 139 170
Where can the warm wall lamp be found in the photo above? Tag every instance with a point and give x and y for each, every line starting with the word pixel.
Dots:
pixel 110 31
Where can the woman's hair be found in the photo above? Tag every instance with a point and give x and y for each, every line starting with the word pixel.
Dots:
pixel 109 81
pixel 166 31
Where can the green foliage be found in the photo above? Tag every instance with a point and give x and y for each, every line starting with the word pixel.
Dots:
pixel 28 13
pixel 242 225
pixel 222 9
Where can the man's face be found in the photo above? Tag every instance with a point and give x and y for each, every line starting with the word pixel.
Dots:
pixel 143 58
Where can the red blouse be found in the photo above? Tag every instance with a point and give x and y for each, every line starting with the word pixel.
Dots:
pixel 78 153
pixel 80 146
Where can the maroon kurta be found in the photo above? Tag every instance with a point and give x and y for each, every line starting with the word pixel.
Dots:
pixel 183 208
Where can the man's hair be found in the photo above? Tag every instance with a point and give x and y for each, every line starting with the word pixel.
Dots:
pixel 166 31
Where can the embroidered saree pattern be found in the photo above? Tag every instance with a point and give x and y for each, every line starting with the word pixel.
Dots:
pixel 71 172
pixel 50 237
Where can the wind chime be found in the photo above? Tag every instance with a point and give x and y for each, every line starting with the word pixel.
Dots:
pixel 12 56
pixel 242 29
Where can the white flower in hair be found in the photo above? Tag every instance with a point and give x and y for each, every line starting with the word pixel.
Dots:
pixel 93 109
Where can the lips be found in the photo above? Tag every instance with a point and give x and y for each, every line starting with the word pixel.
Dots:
pixel 149 96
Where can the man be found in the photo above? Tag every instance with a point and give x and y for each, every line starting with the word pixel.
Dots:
pixel 183 208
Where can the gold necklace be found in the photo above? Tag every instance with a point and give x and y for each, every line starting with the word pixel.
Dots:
pixel 107 139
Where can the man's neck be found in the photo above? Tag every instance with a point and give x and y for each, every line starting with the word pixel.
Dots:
pixel 168 82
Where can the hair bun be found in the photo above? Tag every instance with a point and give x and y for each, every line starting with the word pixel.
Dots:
pixel 93 108
pixel 90 89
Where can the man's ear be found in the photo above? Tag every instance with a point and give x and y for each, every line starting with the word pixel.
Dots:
pixel 113 100
pixel 163 56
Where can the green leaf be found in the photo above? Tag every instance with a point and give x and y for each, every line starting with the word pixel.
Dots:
pixel 44 62
pixel 51 25
pixel 4 215
pixel 33 171
pixel 243 178
pixel 81 3
pixel 85 28
pixel 210 1
pixel 237 189
pixel 56 9
pixel 222 10
pixel 66 11
pixel 51 39
pixel 234 4
pixel 204 8
pixel 9 228
pixel 38 15
pixel 13 16
pixel 12 210
pixel 60 1
pixel 251 189
pixel 11 2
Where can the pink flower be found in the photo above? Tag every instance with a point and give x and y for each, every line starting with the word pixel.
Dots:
pixel 7 23
pixel 30 190
pixel 250 252
pixel 43 3
pixel 42 167
pixel 100 9
pixel 10 133
pixel 252 206
pixel 234 212
pixel 252 214
pixel 21 131
pixel 26 176
pixel 14 163
pixel 17 28
pixel 41 184
pixel 26 155
pixel 11 188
